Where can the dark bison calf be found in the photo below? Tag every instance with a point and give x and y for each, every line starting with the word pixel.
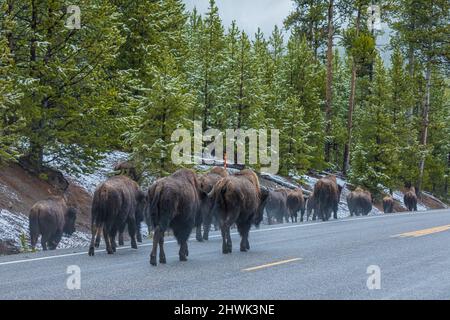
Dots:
pixel 327 194
pixel 310 207
pixel 204 215
pixel 359 202
pixel 51 218
pixel 238 199
pixel 410 199
pixel 117 202
pixel 296 202
pixel 174 203
pixel 388 204
pixel 276 206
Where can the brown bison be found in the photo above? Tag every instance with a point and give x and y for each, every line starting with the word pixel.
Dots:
pixel 204 215
pixel 410 199
pixel 174 202
pixel 117 203
pixel 295 203
pixel 388 204
pixel 127 168
pixel 359 202
pixel 238 199
pixel 327 194
pixel 51 218
pixel 310 207
pixel 276 206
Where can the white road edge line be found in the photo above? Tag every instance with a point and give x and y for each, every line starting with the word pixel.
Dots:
pixel 218 236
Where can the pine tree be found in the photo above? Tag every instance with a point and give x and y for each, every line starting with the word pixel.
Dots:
pixel 9 96
pixel 164 102
pixel 65 80
pixel 375 160
pixel 302 131
pixel 209 59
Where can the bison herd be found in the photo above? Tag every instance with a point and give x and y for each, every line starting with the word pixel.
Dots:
pixel 186 200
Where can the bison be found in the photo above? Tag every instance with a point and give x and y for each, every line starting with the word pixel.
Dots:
pixel 174 202
pixel 118 202
pixel 295 203
pixel 204 215
pixel 327 194
pixel 51 218
pixel 128 169
pixel 359 202
pixel 310 207
pixel 410 199
pixel 388 204
pixel 276 205
pixel 238 199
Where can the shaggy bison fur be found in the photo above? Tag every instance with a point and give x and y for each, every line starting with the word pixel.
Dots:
pixel 51 218
pixel 310 207
pixel 204 215
pixel 117 202
pixel 388 204
pixel 410 199
pixel 359 202
pixel 327 194
pixel 276 207
pixel 174 202
pixel 295 203
pixel 238 199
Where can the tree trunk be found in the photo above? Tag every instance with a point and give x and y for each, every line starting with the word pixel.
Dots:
pixel 351 106
pixel 329 87
pixel 425 124
pixel 36 153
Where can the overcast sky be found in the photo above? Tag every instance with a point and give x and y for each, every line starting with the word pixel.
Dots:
pixel 249 14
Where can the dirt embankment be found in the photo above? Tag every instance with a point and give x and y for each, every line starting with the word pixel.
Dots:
pixel 19 190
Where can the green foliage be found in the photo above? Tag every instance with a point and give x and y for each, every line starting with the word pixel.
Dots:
pixel 138 70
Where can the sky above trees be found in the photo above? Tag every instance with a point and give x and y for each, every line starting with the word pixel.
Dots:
pixel 249 14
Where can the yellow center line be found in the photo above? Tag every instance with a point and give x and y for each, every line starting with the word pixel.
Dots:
pixel 424 232
pixel 271 264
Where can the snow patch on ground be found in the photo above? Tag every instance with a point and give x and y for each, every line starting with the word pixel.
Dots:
pixel 14 225
pixel 8 192
pixel 90 181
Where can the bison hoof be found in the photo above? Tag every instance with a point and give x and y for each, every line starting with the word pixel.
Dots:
pixel 110 251
pixel 153 260
pixel 205 237
pixel 199 238
pixel 91 251
pixel 183 258
pixel 243 249
pixel 162 260
pixel 134 245
pixel 139 238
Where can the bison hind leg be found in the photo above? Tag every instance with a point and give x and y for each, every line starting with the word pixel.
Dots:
pixel 244 229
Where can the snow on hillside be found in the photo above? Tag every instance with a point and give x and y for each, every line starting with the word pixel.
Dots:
pixel 90 181
pixel 14 225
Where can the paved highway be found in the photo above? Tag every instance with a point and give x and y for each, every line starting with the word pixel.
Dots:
pixel 316 260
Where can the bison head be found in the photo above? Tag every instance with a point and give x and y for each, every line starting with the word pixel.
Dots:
pixel 70 218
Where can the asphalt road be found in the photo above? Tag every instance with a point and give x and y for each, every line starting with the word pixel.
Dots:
pixel 317 260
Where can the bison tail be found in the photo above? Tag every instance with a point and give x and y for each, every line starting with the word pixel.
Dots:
pixel 104 206
pixel 152 214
